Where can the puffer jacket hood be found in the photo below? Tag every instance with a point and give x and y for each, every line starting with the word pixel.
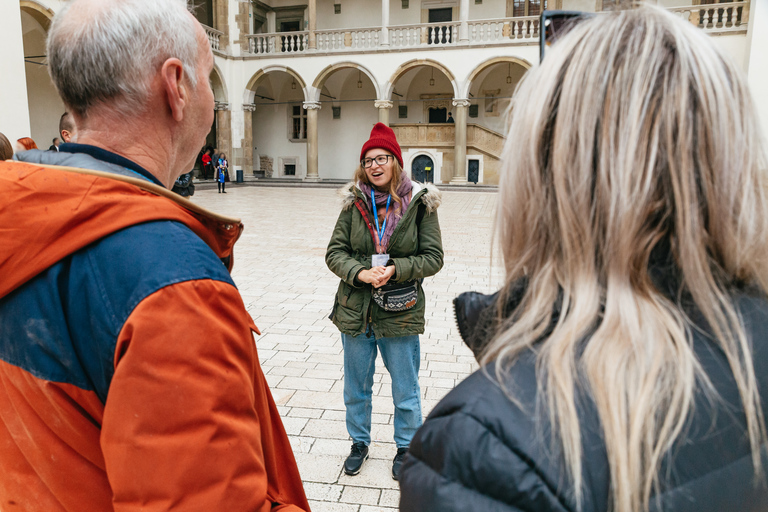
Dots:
pixel 91 204
pixel 430 195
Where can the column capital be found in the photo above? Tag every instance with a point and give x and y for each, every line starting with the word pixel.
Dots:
pixel 461 102
pixel 383 104
pixel 312 105
pixel 249 107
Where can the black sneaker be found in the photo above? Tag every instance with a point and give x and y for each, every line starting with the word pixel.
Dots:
pixel 398 463
pixel 357 456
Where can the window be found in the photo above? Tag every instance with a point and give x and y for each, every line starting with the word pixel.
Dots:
pixel 402 111
pixel 405 4
pixel 336 112
pixel 298 123
pixel 336 8
pixel 528 7
pixel 473 110
pixel 478 2
pixel 289 169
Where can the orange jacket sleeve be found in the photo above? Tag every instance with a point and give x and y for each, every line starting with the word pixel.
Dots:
pixel 189 423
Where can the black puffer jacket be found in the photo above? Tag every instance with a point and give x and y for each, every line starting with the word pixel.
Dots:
pixel 479 451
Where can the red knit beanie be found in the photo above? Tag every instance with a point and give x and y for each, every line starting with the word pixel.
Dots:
pixel 383 137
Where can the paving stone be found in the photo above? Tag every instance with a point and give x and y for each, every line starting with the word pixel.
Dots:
pixel 281 275
pixel 323 492
pixel 360 495
pixel 390 498
pixel 326 506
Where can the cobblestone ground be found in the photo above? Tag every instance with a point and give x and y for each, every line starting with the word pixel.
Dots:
pixel 281 273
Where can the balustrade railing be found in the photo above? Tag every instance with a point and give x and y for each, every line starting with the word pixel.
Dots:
pixel 280 42
pixel 214 37
pixel 726 17
pixel 712 18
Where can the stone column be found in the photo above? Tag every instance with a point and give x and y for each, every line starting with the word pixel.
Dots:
pixel 312 107
pixel 271 22
pixel 464 19
pixel 460 153
pixel 384 106
pixel 246 143
pixel 384 39
pixel 312 24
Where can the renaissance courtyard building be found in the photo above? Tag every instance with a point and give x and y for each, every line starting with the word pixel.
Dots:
pixel 299 83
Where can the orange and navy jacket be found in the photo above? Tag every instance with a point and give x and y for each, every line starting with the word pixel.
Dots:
pixel 129 376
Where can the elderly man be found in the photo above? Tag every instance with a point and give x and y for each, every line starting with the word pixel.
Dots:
pixel 119 392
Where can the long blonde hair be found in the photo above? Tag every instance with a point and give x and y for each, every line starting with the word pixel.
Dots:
pixel 634 132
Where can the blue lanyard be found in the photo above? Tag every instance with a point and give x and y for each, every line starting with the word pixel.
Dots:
pixel 376 215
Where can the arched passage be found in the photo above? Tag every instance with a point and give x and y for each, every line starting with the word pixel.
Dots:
pixel 415 64
pixel 490 87
pixel 348 95
pixel 45 105
pixel 275 132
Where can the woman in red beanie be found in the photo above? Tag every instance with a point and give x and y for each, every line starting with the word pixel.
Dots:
pixel 386 241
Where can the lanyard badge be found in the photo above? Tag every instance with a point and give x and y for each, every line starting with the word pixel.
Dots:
pixel 380 259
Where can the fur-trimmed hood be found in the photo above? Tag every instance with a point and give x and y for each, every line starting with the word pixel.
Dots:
pixel 431 195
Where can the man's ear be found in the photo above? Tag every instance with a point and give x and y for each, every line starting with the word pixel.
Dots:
pixel 175 87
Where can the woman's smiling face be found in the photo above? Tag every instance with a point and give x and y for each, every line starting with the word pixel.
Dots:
pixel 380 175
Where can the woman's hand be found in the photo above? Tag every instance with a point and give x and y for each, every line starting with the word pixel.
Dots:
pixel 376 276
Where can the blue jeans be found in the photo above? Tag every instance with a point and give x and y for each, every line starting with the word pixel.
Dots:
pixel 401 358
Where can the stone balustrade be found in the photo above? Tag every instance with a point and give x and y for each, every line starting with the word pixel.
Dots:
pixel 214 37
pixel 712 18
pixel 716 18
pixel 278 42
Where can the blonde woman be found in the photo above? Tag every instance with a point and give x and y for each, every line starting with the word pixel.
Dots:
pixel 625 361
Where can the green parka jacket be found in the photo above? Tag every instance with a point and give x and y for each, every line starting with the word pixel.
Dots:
pixel 417 252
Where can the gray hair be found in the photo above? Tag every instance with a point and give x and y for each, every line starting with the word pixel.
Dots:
pixel 101 51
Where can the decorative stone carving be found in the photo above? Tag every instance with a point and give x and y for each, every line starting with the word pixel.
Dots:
pixel 220 105
pixel 460 102
pixel 383 104
pixel 312 105
pixel 250 107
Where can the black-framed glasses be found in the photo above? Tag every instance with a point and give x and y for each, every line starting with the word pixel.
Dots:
pixel 380 160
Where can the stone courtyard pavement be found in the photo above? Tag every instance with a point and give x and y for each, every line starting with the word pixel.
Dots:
pixel 281 273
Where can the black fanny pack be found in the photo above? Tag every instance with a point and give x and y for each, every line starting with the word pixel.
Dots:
pixel 397 296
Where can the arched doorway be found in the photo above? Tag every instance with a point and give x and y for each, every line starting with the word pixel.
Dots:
pixel 347 95
pixel 423 169
pixel 276 124
pixel 45 105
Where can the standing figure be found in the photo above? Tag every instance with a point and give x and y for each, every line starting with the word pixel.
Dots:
pixel 222 173
pixel 625 359
pixel 380 303
pixel 208 169
pixel 129 372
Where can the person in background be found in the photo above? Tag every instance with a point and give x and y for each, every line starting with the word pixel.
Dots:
pixel 55 145
pixel 450 118
pixel 222 173
pixel 25 144
pixel 208 169
pixel 119 391
pixel 624 364
pixel 6 149
pixel 405 247
pixel 67 128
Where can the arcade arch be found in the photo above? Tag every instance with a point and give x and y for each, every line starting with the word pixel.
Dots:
pixel 45 105
pixel 348 95
pixel 275 134
pixel 490 87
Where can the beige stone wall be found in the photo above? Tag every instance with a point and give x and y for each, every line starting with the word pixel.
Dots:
pixel 243 22
pixel 224 133
pixel 446 171
pixel 221 21
pixel 246 143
